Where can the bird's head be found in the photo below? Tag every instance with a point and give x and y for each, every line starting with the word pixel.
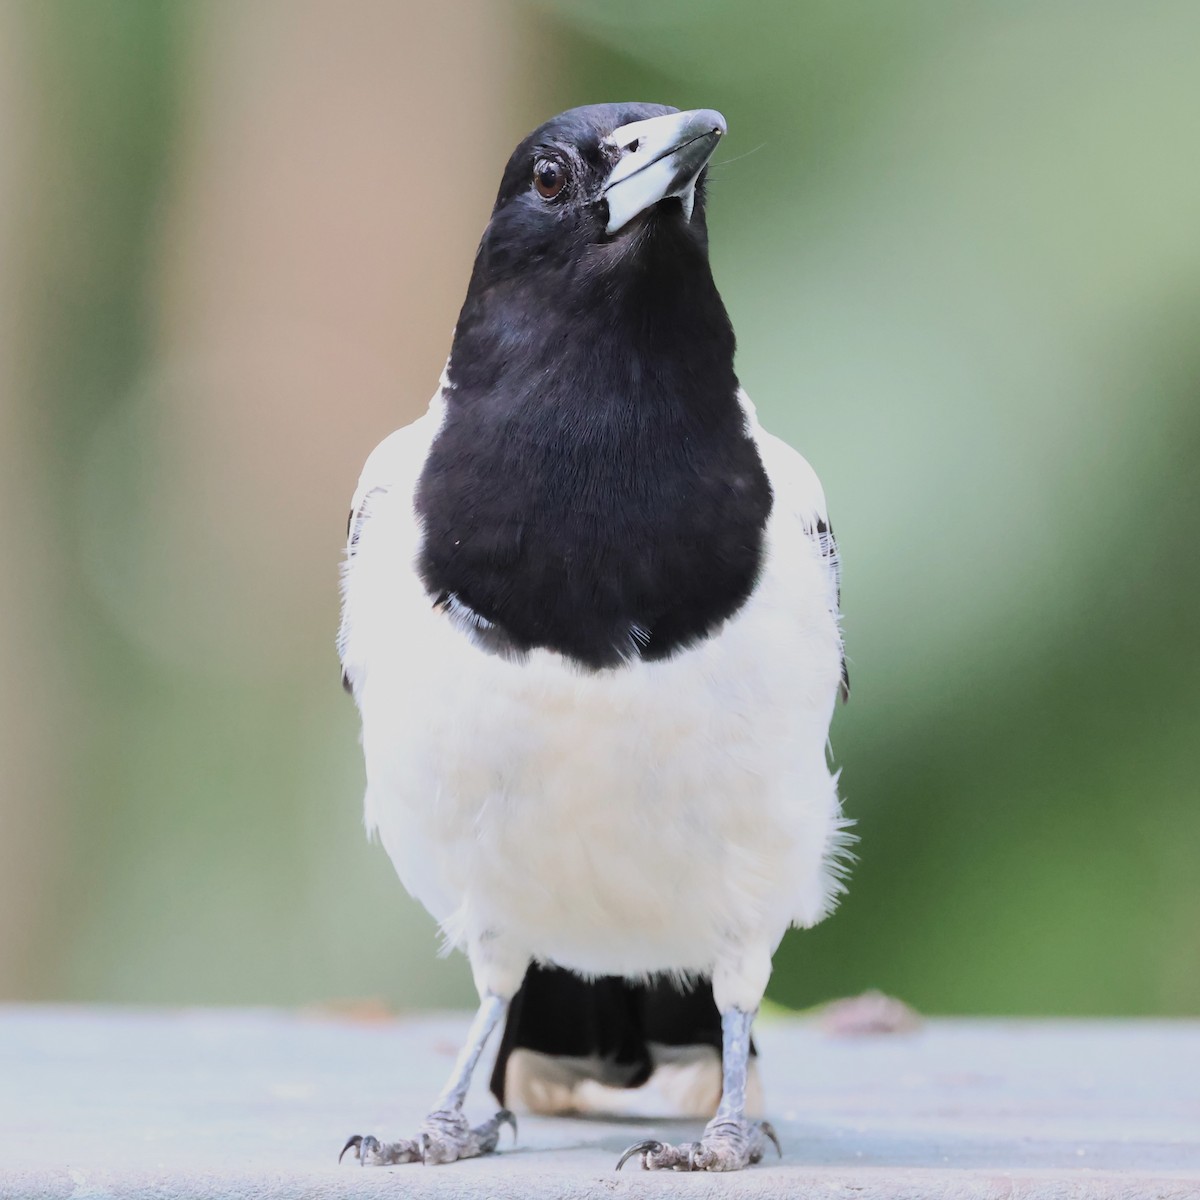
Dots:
pixel 588 191
pixel 599 221
pixel 593 183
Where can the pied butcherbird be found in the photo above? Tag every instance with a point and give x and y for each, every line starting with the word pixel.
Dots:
pixel 591 623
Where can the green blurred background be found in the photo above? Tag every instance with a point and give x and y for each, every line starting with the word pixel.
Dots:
pixel 960 243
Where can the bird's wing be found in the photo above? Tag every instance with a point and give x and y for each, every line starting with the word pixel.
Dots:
pixel 797 487
pixel 395 463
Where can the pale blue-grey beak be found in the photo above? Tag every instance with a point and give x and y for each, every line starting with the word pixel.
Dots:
pixel 660 157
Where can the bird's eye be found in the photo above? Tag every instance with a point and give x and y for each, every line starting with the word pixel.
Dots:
pixel 549 178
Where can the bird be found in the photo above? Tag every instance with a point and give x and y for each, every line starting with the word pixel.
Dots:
pixel 591 622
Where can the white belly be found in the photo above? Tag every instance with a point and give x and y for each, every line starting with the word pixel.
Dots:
pixel 633 820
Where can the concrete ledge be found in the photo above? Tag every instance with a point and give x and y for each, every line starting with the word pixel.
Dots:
pixel 216 1104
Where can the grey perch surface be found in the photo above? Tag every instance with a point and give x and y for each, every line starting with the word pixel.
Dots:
pixel 97 1103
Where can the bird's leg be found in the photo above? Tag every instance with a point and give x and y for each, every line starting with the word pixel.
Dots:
pixel 446 1134
pixel 729 1141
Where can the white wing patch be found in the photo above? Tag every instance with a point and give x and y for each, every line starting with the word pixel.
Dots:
pixel 798 489
pixel 396 463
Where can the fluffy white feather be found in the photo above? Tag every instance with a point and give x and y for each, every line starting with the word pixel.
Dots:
pixel 674 816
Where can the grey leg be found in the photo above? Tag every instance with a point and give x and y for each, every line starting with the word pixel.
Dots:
pixel 490 1013
pixel 730 1141
pixel 446 1135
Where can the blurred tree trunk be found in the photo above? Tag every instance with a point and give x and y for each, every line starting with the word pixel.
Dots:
pixel 36 713
pixel 234 240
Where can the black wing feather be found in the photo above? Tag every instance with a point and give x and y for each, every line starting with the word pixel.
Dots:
pixel 829 552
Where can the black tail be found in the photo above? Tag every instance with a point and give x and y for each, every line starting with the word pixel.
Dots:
pixel 609 1021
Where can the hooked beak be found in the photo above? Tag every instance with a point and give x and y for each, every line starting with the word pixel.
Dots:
pixel 660 157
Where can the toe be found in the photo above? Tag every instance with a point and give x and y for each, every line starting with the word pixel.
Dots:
pixel 370 1152
pixel 661 1156
pixel 483 1139
pixel 504 1117
pixel 445 1137
pixel 768 1131
pixel 436 1151
pixel 642 1148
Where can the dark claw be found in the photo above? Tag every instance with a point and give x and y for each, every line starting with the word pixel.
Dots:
pixel 769 1130
pixel 504 1117
pixel 356 1142
pixel 648 1147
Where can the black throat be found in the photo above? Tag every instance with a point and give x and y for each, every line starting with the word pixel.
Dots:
pixel 593 490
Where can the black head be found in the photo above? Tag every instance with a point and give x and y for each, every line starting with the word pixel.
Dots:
pixel 599 222
pixel 568 183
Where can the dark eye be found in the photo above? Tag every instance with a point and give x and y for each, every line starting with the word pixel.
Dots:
pixel 549 178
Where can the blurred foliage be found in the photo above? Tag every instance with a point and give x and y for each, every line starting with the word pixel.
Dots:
pixel 958 242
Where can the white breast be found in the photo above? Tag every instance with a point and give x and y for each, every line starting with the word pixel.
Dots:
pixel 618 822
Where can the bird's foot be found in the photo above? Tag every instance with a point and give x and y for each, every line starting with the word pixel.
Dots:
pixel 728 1144
pixel 444 1137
